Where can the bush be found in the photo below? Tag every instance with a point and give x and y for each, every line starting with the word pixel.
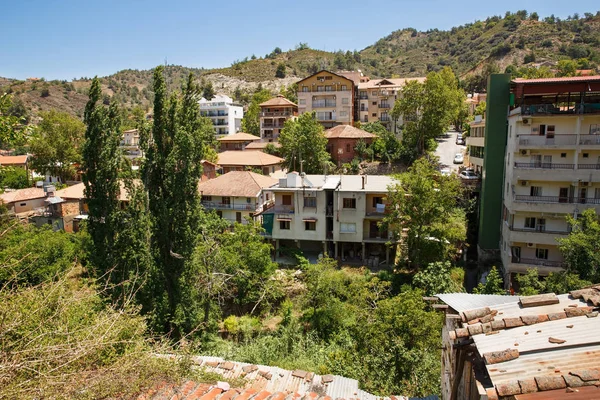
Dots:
pixel 45 92
pixel 280 73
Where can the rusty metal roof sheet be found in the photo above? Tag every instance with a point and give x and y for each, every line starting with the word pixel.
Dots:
pixel 467 301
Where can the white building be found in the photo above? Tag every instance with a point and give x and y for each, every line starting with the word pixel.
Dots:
pixel 552 169
pixel 130 145
pixel 225 115
pixel 331 214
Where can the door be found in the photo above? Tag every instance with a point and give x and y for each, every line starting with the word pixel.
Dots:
pixel 238 217
pixel 541 225
pixel 547 162
pixel 582 195
pixel 542 130
pixel 563 195
pixel 536 160
pixel 550 132
pixel 516 254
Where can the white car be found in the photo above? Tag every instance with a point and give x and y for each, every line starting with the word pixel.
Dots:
pixel 459 158
pixel 468 175
pixel 445 171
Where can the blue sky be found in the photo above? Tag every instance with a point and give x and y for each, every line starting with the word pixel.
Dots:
pixel 66 39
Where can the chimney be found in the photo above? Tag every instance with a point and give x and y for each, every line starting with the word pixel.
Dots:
pixel 363 182
pixel 49 190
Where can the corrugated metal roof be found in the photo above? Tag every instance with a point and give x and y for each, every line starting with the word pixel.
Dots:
pixel 511 310
pixel 468 301
pixel 559 80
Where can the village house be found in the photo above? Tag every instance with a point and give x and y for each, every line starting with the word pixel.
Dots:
pixel 238 195
pixel 209 170
pixel 249 160
pixel 273 114
pixel 237 141
pixel 130 146
pixel 342 139
pixel 23 201
pixel 14 161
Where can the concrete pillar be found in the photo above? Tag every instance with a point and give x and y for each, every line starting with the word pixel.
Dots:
pixel 325 249
pixel 363 251
pixel 387 256
pixel 336 250
pixel 578 149
pixel 276 248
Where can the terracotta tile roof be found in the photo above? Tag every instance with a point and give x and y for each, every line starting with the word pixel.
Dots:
pixel 278 101
pixel 559 80
pixel 347 132
pixel 261 145
pixel 261 383
pixel 22 195
pixel 247 158
pixel 13 160
pixel 76 192
pixel 388 83
pixel 238 137
pixel 236 184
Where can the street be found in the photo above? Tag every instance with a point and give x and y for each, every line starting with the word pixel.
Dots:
pixel 446 150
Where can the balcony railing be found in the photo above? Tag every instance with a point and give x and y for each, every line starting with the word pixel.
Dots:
pixel 384 105
pixel 277 114
pixel 323 103
pixel 540 140
pixel 588 166
pixel 384 119
pixel 551 109
pixel 543 165
pixel 213 205
pixel 363 97
pixel 325 117
pixel 281 209
pixel 555 199
pixel 376 235
pixel 589 139
pixel 538 261
pixel 538 229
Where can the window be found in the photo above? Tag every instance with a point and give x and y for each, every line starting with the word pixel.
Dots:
pixel 541 225
pixel 206 198
pixel 286 199
pixel 319 88
pixel 220 214
pixel 541 254
pixel 310 226
pixel 348 148
pixel 586 155
pixel 530 223
pixel 349 203
pixel 345 100
pixel 305 89
pixel 226 200
pixel 344 87
pixel 238 217
pixel 248 200
pixel 536 191
pixel 374 103
pixel 347 227
pixel 284 225
pixel 343 113
pixel 310 202
pixel 377 200
pixel 329 88
pixel 597 193
pixel 374 93
pixel 23 204
pixel 374 115
pixel 595 129
pixel 563 155
pixel 301 102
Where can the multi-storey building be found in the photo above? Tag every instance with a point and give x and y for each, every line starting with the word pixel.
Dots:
pixel 273 114
pixel 553 167
pixel 475 144
pixel 237 195
pixel 330 96
pixel 225 115
pixel 376 100
pixel 130 145
pixel 331 215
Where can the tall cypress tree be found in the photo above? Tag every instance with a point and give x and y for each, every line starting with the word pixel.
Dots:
pixel 171 172
pixel 101 168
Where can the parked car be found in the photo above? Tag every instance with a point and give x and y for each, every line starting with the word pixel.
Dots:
pixel 460 141
pixel 445 171
pixel 468 175
pixel 459 158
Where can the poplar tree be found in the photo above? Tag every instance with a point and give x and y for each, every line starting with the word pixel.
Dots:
pixel 171 172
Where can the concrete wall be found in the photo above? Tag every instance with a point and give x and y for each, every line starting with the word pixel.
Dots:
pixel 28 205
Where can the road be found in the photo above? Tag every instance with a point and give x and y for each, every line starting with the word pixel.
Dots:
pixel 446 150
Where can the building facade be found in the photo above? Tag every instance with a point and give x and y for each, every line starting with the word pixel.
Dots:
pixel 249 160
pixel 237 141
pixel 342 141
pixel 475 144
pixel 226 116
pixel 130 146
pixel 338 216
pixel 330 96
pixel 273 114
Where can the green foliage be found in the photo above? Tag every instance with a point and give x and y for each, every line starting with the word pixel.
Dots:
pixel 529 283
pixel 208 91
pixel 556 282
pixel 493 284
pixel 439 277
pixel 251 120
pixel 424 204
pixel 271 149
pixel 280 72
pixel 386 146
pixel 567 68
pixel 480 109
pixel 13 178
pixel 11 129
pixel 56 145
pixel 302 141
pixel 290 92
pixel 581 249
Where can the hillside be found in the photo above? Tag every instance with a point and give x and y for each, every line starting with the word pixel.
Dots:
pixel 502 41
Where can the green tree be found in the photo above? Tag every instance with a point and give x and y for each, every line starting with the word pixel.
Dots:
pixel 423 204
pixel 171 174
pixel 280 72
pixel 56 145
pixel 13 178
pixel 581 249
pixel 101 160
pixel 567 68
pixel 439 277
pixel 251 120
pixel 493 284
pixel 290 92
pixel 480 109
pixel 386 146
pixel 303 144
pixel 530 283
pixel 12 130
pixel 208 91
pixel 564 282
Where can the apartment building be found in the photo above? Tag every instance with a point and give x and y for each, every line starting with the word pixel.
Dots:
pixel 226 116
pixel 273 114
pixel 331 96
pixel 130 146
pixel 376 99
pixel 237 195
pixel 331 215
pixel 475 144
pixel 553 167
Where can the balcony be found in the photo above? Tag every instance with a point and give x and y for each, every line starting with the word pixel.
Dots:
pixel 555 199
pixel 277 114
pixel 539 229
pixel 363 97
pixel 588 166
pixel 329 117
pixel 541 140
pixel 538 262
pixel 281 209
pixel 587 140
pixel 212 205
pixel 323 103
pixel 384 118
pixel 384 105
pixel 376 236
pixel 551 109
pixel 542 165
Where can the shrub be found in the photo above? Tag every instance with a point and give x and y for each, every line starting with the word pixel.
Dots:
pixel 45 92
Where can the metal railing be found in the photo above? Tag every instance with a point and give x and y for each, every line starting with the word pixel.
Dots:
pixel 384 119
pixel 538 229
pixel 540 140
pixel 281 209
pixel 589 139
pixel 543 165
pixel 377 235
pixel 551 109
pixel 228 206
pixel 538 261
pixel 555 199
pixel 323 103
pixel 384 105
pixel 588 166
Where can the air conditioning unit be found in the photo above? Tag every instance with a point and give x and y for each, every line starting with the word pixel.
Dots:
pixel 523 183
pixel 525 121
pixel 525 152
pixel 531 245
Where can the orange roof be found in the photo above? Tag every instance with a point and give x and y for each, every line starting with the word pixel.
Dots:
pixel 388 83
pixel 261 145
pixel 347 132
pixel 22 195
pixel 278 101
pixel 247 158
pixel 238 137
pixel 236 184
pixel 77 192
pixel 13 160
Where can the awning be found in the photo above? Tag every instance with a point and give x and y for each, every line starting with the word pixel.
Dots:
pixel 284 218
pixel 309 219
